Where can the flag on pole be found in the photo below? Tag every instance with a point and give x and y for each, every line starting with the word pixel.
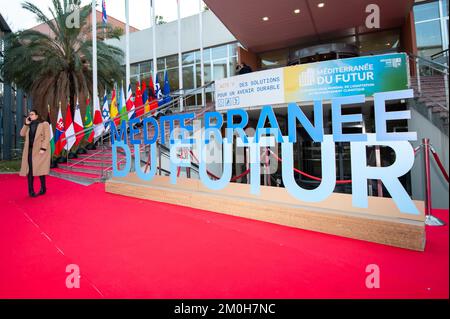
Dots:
pixel 105 112
pixel 69 134
pixel 130 103
pixel 59 133
pixel 153 102
pixel 78 125
pixel 138 103
pixel 114 111
pixel 158 93
pixel 122 106
pixel 166 90
pixel 99 128
pixel 144 98
pixel 104 15
pixel 89 134
pixel 52 140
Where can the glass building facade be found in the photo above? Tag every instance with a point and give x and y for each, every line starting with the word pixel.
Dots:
pixel 431 22
pixel 219 62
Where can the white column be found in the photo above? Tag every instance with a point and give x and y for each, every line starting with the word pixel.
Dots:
pixel 202 62
pixel 180 62
pixel 94 51
pixel 127 45
pixel 153 25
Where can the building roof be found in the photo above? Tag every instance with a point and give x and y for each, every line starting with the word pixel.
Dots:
pixel 4 27
pixel 284 28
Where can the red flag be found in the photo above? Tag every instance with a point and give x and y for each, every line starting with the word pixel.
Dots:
pixel 78 125
pixel 59 133
pixel 138 101
pixel 152 95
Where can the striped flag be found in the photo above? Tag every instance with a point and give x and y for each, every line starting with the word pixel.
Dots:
pixel 105 111
pixel 122 106
pixel 104 15
pixel 52 139
pixel 59 133
pixel 114 111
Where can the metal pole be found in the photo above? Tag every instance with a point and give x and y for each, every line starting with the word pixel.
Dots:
pixel 267 167
pixel 127 45
pixel 155 60
pixel 180 62
pixel 430 220
pixel 94 49
pixel 419 88
pixel 202 62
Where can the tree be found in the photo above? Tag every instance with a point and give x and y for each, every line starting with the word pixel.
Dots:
pixel 56 66
pixel 160 20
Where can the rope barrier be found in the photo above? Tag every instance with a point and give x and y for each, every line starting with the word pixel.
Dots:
pixel 345 181
pixel 439 163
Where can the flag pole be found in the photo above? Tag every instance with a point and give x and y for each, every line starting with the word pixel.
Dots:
pixel 180 65
pixel 127 44
pixel 202 63
pixel 155 60
pixel 94 50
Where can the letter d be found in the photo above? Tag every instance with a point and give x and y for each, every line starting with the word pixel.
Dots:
pixel 117 172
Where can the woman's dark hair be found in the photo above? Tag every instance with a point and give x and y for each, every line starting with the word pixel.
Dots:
pixel 38 115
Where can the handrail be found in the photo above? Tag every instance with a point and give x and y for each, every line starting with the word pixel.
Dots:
pixel 431 62
pixel 439 53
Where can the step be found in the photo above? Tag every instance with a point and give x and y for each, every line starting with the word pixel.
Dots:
pixel 96 170
pixel 84 178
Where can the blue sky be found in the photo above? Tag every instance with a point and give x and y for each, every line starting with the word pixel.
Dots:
pixel 19 18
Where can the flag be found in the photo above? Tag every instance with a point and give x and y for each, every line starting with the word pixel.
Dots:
pixel 78 125
pixel 145 104
pixel 105 112
pixel 166 90
pixel 158 93
pixel 69 134
pixel 139 104
pixel 130 103
pixel 89 134
pixel 99 128
pixel 151 96
pixel 104 15
pixel 59 133
pixel 122 108
pixel 114 111
pixel 52 140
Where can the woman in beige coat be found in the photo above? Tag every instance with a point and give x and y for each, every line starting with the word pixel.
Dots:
pixel 36 151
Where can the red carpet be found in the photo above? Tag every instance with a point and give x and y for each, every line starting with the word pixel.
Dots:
pixel 129 248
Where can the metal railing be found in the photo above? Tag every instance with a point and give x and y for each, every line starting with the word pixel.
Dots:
pixel 436 111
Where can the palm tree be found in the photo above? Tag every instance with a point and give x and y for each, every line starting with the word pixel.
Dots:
pixel 58 66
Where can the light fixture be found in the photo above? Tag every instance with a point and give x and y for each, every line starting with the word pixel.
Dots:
pixel 321 5
pixel 265 18
pixel 297 11
pixel 388 44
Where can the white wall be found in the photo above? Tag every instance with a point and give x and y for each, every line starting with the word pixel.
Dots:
pixel 214 33
pixel 439 186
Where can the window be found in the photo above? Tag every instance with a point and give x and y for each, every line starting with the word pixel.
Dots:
pixel 429 34
pixel 426 11
pixel 431 21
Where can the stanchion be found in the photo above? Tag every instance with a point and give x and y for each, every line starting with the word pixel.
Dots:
pixel 430 220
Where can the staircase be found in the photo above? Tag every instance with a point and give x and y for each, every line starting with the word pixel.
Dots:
pixel 431 97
